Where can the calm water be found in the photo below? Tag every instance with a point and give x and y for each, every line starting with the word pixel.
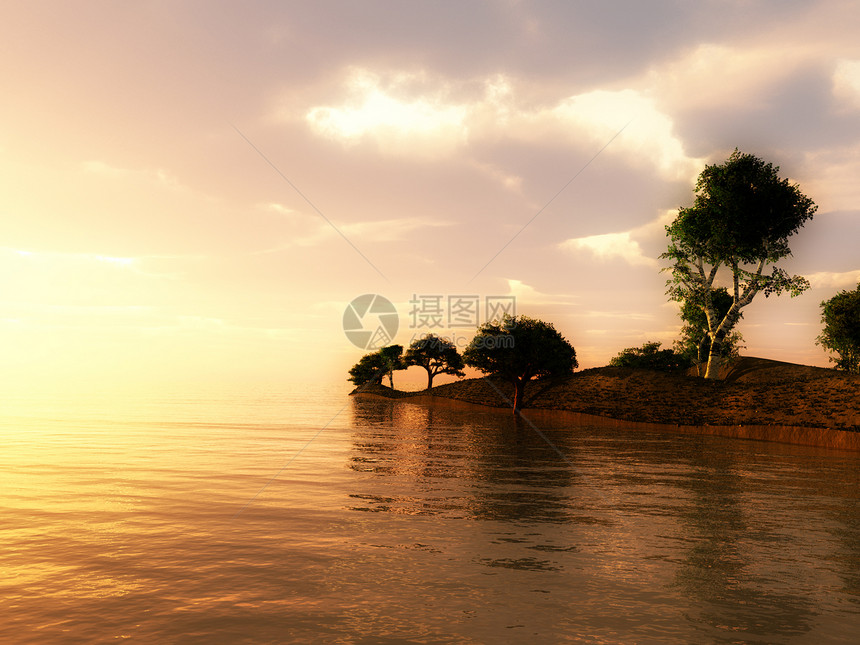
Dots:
pixel 318 518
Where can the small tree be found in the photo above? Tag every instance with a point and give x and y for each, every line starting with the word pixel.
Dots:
pixel 371 368
pixel 695 343
pixel 436 355
pixel 392 357
pixel 741 219
pixel 841 318
pixel 518 349
pixel 650 356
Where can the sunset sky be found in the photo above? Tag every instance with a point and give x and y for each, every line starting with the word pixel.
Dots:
pixel 192 192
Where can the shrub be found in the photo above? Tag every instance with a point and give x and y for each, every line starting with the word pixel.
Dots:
pixel 650 356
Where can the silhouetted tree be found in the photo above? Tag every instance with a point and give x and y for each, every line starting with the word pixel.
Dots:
pixel 371 368
pixel 841 318
pixel 741 219
pixel 392 357
pixel 436 355
pixel 518 349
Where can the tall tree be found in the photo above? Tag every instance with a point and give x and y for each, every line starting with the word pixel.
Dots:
pixel 741 219
pixel 841 335
pixel 695 344
pixel 518 349
pixel 435 354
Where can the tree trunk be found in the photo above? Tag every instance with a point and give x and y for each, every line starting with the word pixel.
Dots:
pixel 714 360
pixel 701 356
pixel 391 379
pixel 429 379
pixel 519 387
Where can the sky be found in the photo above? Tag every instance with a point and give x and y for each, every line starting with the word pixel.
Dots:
pixel 192 193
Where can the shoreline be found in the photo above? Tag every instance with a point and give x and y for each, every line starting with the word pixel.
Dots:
pixel 795 435
pixel 759 400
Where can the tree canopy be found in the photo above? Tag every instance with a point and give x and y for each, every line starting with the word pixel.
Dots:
pixel 435 354
pixel 371 368
pixel 841 334
pixel 518 349
pixel 741 219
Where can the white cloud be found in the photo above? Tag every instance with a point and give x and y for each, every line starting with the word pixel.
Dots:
pixel 831 178
pixel 148 177
pixel 693 81
pixel 613 315
pixel 431 122
pixel 647 133
pixel 833 280
pixel 389 230
pixel 378 110
pixel 309 231
pixel 846 82
pixel 280 209
pixel 526 294
pixel 63 263
pixel 611 246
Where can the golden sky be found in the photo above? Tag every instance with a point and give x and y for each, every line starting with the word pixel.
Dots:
pixel 193 192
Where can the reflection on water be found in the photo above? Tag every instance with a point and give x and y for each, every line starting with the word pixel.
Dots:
pixel 407 524
pixel 748 536
pixel 733 544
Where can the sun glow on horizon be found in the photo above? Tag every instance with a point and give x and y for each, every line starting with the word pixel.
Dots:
pixel 145 244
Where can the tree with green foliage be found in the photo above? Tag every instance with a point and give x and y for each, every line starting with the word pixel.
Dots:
pixel 650 356
pixel 518 349
pixel 695 344
pixel 369 369
pixel 372 368
pixel 435 354
pixel 392 358
pixel 741 219
pixel 841 319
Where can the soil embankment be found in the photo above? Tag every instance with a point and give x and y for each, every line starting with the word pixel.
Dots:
pixel 758 399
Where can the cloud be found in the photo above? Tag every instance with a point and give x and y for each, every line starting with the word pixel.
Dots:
pixel 97 265
pixel 611 246
pixel 688 81
pixel 308 231
pixel 526 294
pixel 389 230
pixel 846 83
pixel 396 122
pixel 158 176
pixel 648 134
pixel 834 280
pixel 413 114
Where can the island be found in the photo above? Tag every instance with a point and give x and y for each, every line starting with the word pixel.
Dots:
pixel 757 398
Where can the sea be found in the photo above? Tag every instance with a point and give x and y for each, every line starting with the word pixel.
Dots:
pixel 314 517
